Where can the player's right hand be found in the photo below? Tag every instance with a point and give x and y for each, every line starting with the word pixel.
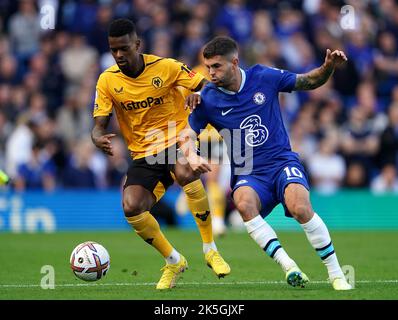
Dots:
pixel 198 164
pixel 192 101
pixel 104 143
pixel 335 58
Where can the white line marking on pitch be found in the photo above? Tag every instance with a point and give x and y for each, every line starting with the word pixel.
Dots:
pixel 180 283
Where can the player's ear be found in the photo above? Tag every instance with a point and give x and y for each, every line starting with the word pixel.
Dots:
pixel 235 61
pixel 137 44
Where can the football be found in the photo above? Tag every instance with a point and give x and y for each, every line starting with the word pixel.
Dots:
pixel 90 261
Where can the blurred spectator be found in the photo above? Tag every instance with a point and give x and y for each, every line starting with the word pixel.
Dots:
pixel 357 176
pixel 193 42
pixel 19 103
pixel 261 36
pixel 161 44
pixel 37 108
pixel 5 131
pixel 57 152
pixel 160 24
pixel 78 174
pixel 367 101
pixel 302 141
pixel 77 59
pixel 386 181
pixel 235 20
pixel 360 47
pixel 326 167
pixel 299 54
pixel 386 65
pixel 98 35
pixel 24 30
pixel 19 144
pixel 358 143
pixel 289 21
pixel 31 83
pixel 327 118
pixel 38 173
pixel 388 152
pixel 51 80
pixel 5 98
pixel 80 16
pixel 74 118
pixel 8 70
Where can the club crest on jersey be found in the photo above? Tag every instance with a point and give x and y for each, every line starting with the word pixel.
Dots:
pixel 157 82
pixel 259 98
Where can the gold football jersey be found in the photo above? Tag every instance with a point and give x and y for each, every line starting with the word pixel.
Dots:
pixel 149 107
pixel 208 133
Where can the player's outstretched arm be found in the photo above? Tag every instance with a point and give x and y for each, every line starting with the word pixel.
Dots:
pixel 194 99
pixel 100 138
pixel 319 76
pixel 187 145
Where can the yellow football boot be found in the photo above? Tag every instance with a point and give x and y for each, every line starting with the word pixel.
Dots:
pixel 217 263
pixel 171 273
pixel 341 284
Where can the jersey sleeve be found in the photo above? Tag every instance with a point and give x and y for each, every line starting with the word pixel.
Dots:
pixel 197 119
pixel 185 76
pixel 283 80
pixel 103 101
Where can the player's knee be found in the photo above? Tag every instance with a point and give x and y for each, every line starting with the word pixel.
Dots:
pixel 301 211
pixel 133 206
pixel 246 208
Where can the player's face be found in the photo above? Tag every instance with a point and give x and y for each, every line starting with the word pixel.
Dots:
pixel 222 70
pixel 124 51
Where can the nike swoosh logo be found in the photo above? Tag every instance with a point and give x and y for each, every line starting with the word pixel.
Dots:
pixel 223 113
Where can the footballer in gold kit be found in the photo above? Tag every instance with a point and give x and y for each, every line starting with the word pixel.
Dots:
pixel 144 91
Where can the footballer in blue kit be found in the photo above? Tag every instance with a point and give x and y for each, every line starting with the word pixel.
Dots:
pixel 243 106
pixel 254 111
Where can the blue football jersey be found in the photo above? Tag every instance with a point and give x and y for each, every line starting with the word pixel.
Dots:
pixel 250 120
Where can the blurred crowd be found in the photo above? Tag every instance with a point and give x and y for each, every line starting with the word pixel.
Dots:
pixel 346 132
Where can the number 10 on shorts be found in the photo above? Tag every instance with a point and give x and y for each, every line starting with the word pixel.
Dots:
pixel 292 172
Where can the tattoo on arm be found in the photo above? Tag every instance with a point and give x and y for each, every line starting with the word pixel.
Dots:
pixel 313 79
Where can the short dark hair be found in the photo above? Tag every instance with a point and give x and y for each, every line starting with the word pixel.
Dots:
pixel 121 27
pixel 220 46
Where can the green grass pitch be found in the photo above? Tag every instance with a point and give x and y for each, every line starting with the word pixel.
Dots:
pixel 135 267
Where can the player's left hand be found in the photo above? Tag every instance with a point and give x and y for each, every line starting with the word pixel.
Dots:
pixel 335 58
pixel 198 164
pixel 192 101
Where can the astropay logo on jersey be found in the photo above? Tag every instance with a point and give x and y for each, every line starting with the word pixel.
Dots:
pixel 147 103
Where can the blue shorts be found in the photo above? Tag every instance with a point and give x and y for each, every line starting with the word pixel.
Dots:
pixel 271 187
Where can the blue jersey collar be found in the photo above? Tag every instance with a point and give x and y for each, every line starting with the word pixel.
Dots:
pixel 242 72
